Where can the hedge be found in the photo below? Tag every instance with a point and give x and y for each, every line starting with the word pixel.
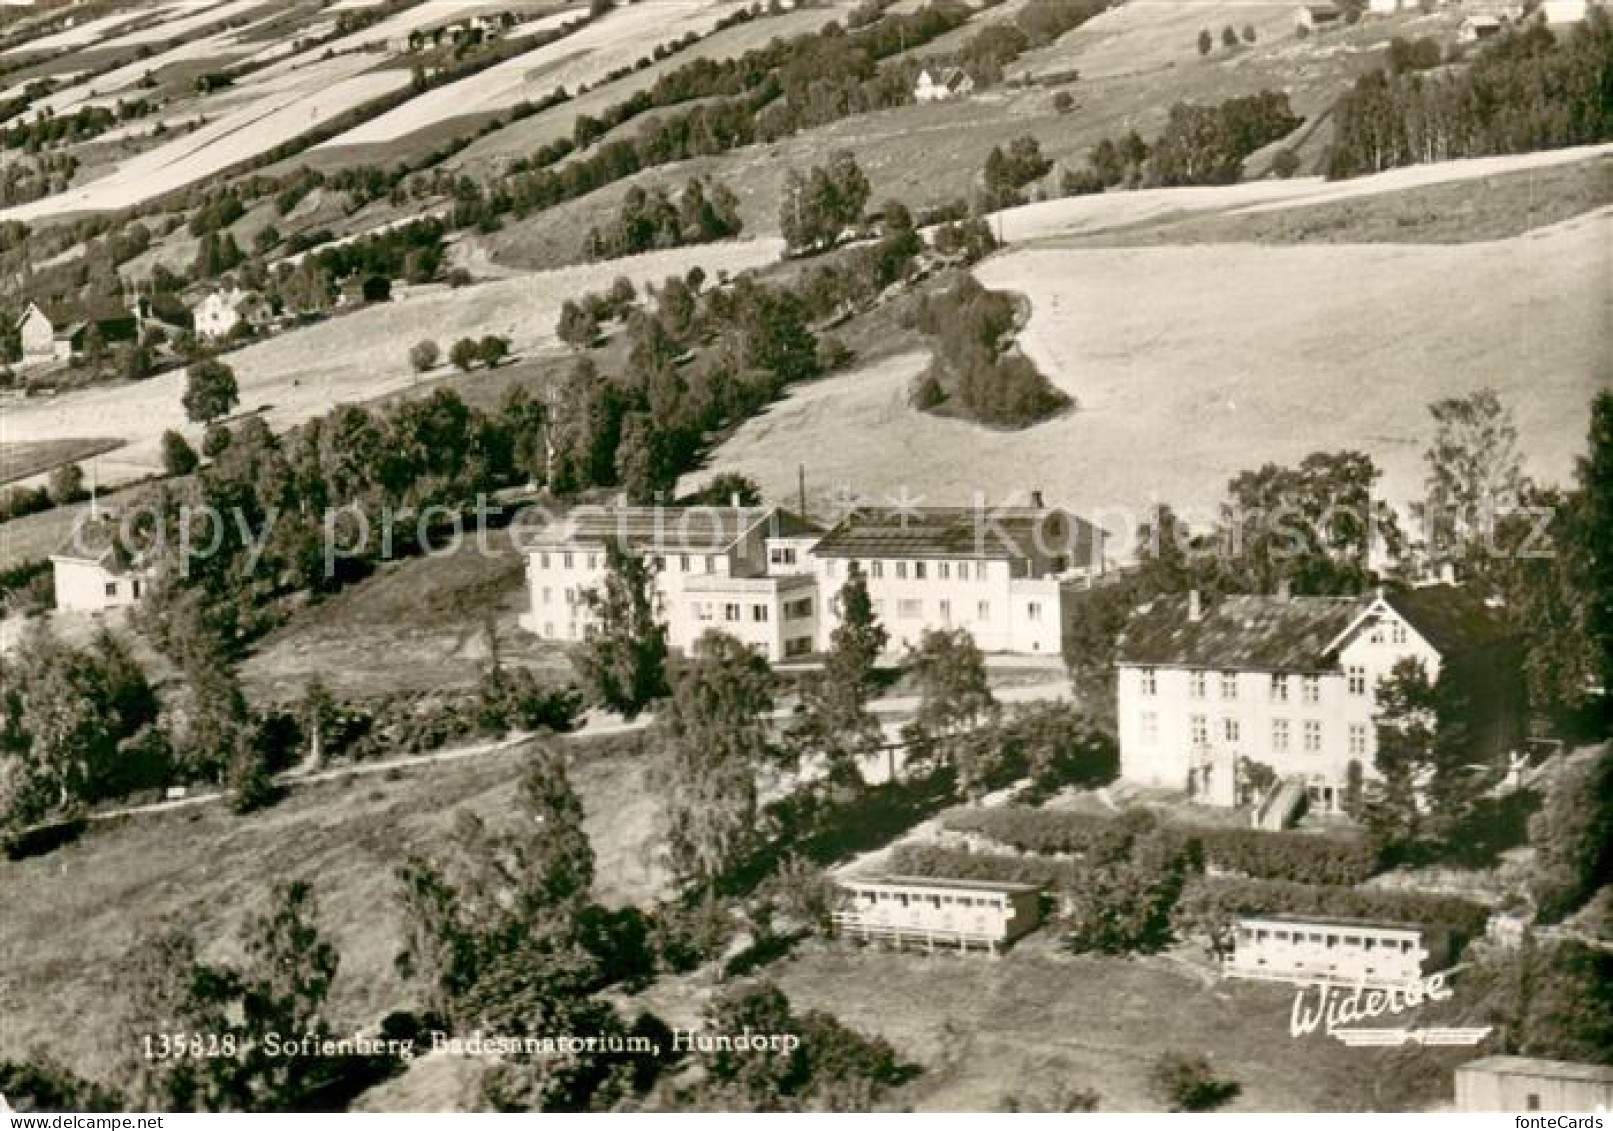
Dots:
pixel 961 864
pixel 1299 857
pixel 1235 896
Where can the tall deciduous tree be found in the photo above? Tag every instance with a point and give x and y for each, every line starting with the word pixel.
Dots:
pixel 955 701
pixel 210 391
pixel 1475 476
pixel 622 660
pixel 716 733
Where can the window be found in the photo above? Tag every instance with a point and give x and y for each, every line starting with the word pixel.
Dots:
pixel 983 611
pixel 1279 735
pixel 711 564
pixel 901 571
pixel 1150 681
pixel 1311 688
pixel 683 563
pixel 1033 610
pixel 1313 736
pixel 1196 684
pixel 730 612
pixel 1229 685
pixel 1358 739
pixel 1230 730
pixel 548 594
pixel 980 571
pixel 759 613
pixel 1149 728
pixel 593 561
pixel 946 612
pixel 1356 678
pixel 798 610
pixel 943 570
pixel 702 610
pixel 543 561
pixel 876 569
pixel 1200 730
pixel 111 588
pixel 909 610
pixel 1279 688
pixel 1531 1102
pixel 918 571
pixel 782 555
pixel 1397 632
pixel 565 560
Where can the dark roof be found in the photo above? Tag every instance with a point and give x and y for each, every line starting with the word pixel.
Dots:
pixel 1449 618
pixel 677 529
pixel 1264 633
pixel 943 882
pixel 63 314
pixel 961 532
pixel 95 540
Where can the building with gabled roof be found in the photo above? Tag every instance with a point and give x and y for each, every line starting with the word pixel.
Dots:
pixel 942 84
pixel 93 573
pixel 770 576
pixel 62 331
pixel 1208 689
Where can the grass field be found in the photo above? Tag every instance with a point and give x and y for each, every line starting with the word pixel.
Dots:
pixel 19 461
pixel 1190 364
pixel 73 916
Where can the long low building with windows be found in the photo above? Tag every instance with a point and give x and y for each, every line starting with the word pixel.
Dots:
pixel 770 577
pixel 1343 952
pixel 937 913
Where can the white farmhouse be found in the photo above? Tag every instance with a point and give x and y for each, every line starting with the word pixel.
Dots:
pixel 221 310
pixel 1291 683
pixel 771 577
pixel 92 574
pixel 942 85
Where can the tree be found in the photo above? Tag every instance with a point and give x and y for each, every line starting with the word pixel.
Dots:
pixel 210 391
pixel 1572 835
pixel 727 488
pixel 1206 41
pixel 622 660
pixel 716 732
pixel 464 354
pixel 1285 163
pixel 1186 1082
pixel 1064 102
pixel 492 349
pixel 577 326
pixel 1126 887
pixel 1475 475
pixel 178 457
pixel 955 700
pixel 1248 33
pixel 1229 37
pixel 859 639
pixel 66 484
pixel 1595 472
pixel 423 356
pixel 818 206
pixel 1427 787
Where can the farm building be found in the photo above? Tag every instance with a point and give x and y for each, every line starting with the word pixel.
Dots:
pixel 92 574
pixel 942 85
pixel 935 913
pixel 60 333
pixel 1344 952
pixel 221 310
pixel 770 577
pixel 1476 28
pixel 1523 1084
pixel 1316 18
pixel 361 290
pixel 162 312
pixel 1208 689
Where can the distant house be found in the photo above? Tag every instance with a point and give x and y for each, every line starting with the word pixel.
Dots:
pixel 1526 1084
pixel 1565 11
pixel 361 290
pixel 92 573
pixel 1391 7
pixel 222 309
pixel 934 913
pixel 1342 952
pixel 62 332
pixel 1206 689
pixel 943 84
pixel 1476 28
pixel 1316 18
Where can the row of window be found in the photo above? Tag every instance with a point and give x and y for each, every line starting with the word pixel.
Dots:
pixel 1231 733
pixel 903 899
pixel 1326 939
pixel 1280 687
pixel 875 570
pixel 913 609
pixel 678 563
pixel 732 611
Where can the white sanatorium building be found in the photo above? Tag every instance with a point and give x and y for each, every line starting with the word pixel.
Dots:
pixel 769 577
pixel 1291 682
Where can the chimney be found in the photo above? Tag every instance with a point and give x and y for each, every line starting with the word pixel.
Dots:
pixel 1195 607
pixel 733 500
pixel 1036 499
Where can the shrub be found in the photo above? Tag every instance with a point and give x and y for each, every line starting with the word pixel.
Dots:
pixel 1064 102
pixel 178 457
pixel 1185 1082
pixel 423 355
